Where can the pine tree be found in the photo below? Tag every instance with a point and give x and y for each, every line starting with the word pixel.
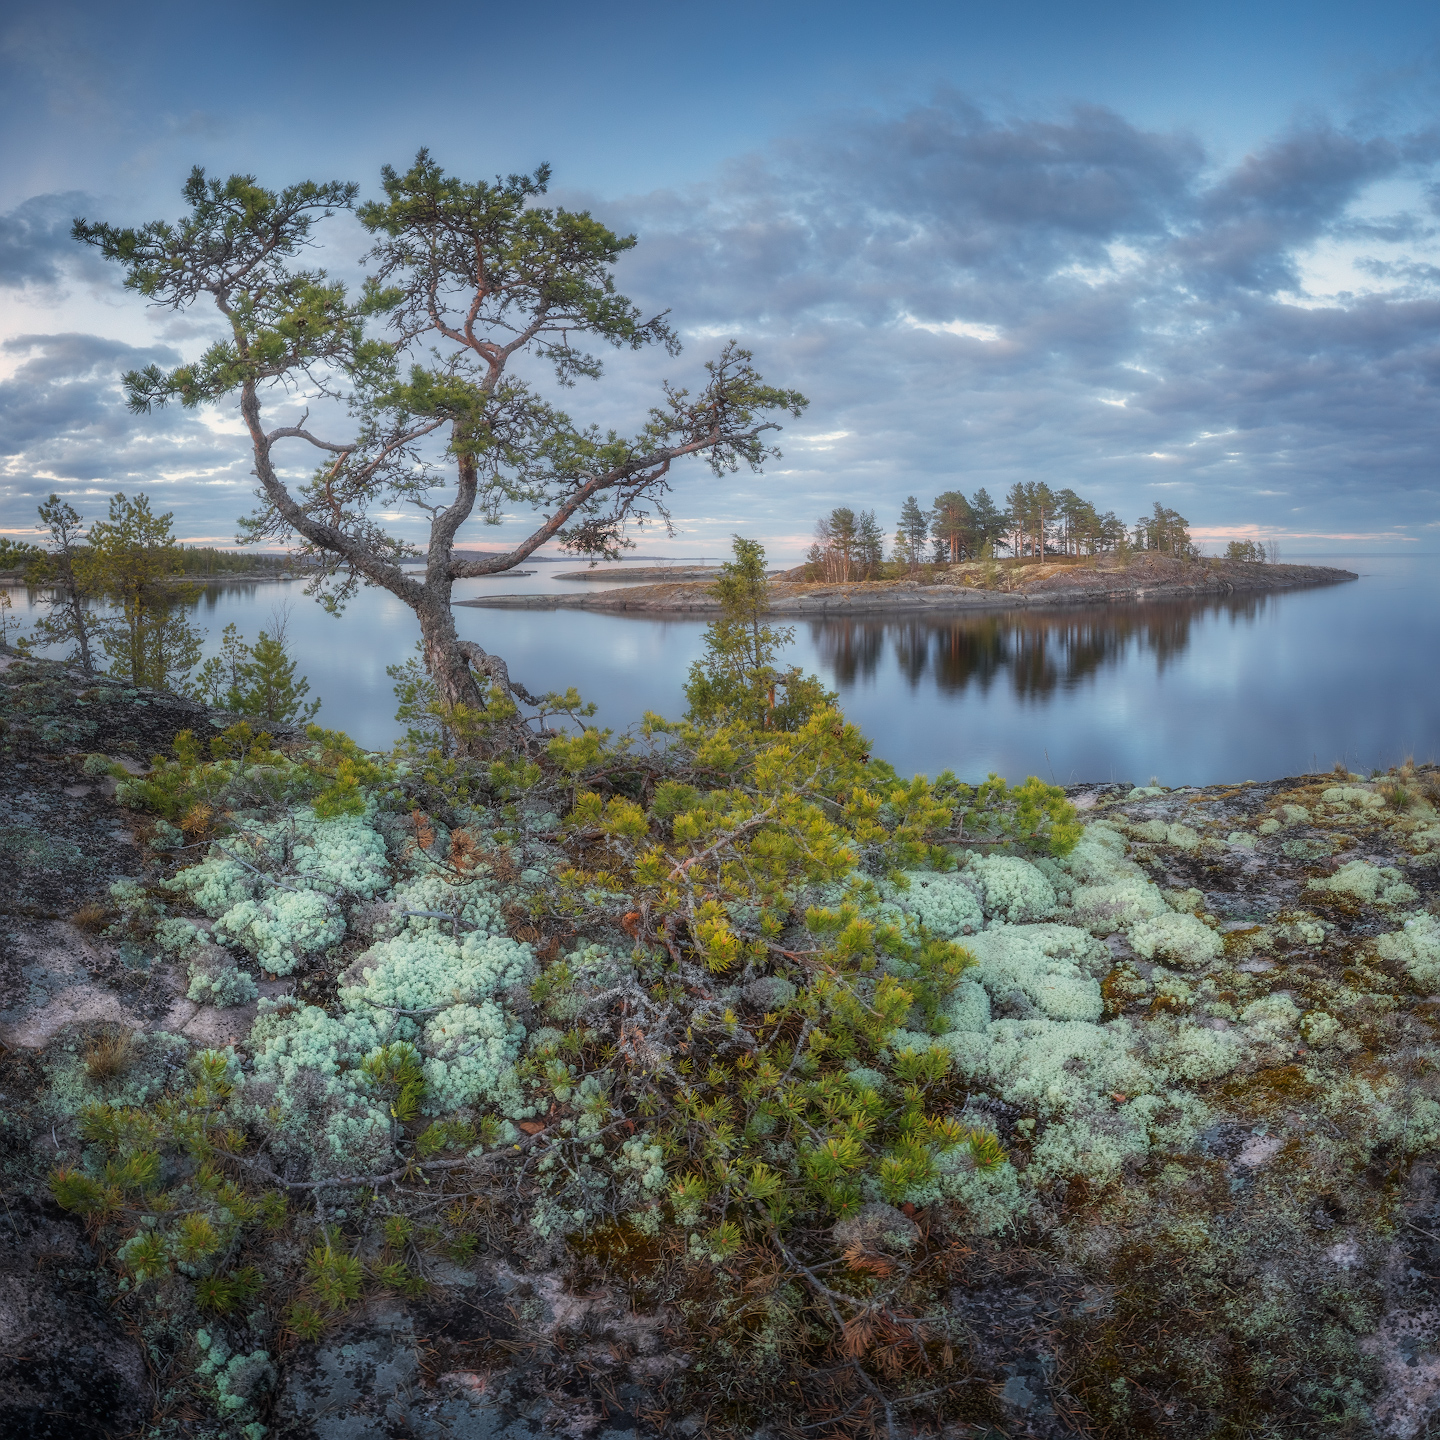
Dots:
pixel 737 680
pixel 257 680
pixel 1017 504
pixel 988 520
pixel 17 556
pixel 1043 506
pixel 838 544
pixel 915 528
pixel 6 623
pixel 218 679
pixel 70 618
pixel 269 686
pixel 130 558
pixel 871 545
pixel 953 525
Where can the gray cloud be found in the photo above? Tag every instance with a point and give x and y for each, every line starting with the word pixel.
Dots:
pixel 971 300
pixel 64 427
pixel 35 243
pixel 1114 265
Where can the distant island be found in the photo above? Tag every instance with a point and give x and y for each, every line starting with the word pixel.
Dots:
pixel 974 585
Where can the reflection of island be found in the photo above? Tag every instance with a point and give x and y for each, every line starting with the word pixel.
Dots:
pixel 1039 651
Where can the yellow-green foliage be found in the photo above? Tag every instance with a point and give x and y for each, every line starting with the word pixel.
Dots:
pixel 183 1138
pixel 1032 812
pixel 243 770
pixel 764 1117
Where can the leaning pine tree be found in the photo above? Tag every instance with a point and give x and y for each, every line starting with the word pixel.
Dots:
pixel 470 281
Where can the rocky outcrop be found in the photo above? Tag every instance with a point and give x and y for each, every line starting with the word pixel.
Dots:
pixel 1205 1040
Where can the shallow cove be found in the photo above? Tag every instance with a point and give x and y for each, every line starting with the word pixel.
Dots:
pixel 1192 692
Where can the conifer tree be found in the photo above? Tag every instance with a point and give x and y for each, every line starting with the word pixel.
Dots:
pixel 988 520
pixel 953 524
pixel 269 686
pixel 70 617
pixel 19 555
pixel 914 530
pixel 737 679
pixel 6 623
pixel 871 545
pixel 470 281
pixel 219 677
pixel 1043 504
pixel 257 680
pixel 129 560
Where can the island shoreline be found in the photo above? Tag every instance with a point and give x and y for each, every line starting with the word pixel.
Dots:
pixel 800 598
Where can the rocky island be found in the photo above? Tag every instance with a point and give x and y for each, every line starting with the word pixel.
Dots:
pixel 979 585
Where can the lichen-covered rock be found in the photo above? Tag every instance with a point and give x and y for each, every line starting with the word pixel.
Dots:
pixel 1099 856
pixel 217 884
pixel 877 1226
pixel 1272 1019
pixel 1013 890
pixel 1416 947
pixel 946 903
pixel 1344 797
pixel 68 1368
pixel 1158 832
pixel 769 992
pixel 215 979
pixel 284 928
pixel 969 1008
pixel 1182 940
pixel 342 854
pixel 420 970
pixel 1373 884
pixel 474 905
pixel 1193 1054
pixel 469 1050
pixel 1119 905
pixel 1051 1069
pixel 1054 966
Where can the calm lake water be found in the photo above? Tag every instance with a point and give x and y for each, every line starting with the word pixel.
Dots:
pixel 1191 693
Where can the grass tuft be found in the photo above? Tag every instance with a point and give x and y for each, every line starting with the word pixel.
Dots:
pixel 109 1053
pixel 91 918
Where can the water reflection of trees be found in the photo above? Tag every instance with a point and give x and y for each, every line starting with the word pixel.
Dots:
pixel 1039 652
pixel 210 597
pixel 203 597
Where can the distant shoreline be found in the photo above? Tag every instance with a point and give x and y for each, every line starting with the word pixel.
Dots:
pixel 17 577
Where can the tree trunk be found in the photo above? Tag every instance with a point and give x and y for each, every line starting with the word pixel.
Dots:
pixel 444 658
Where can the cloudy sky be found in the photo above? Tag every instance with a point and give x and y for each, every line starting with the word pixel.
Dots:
pixel 1151 252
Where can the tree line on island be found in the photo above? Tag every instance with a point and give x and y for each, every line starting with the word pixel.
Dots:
pixel 1036 523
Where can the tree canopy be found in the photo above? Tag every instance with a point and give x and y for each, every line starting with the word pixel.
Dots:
pixel 468 279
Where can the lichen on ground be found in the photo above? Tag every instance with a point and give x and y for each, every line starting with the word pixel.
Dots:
pixel 1141 1133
